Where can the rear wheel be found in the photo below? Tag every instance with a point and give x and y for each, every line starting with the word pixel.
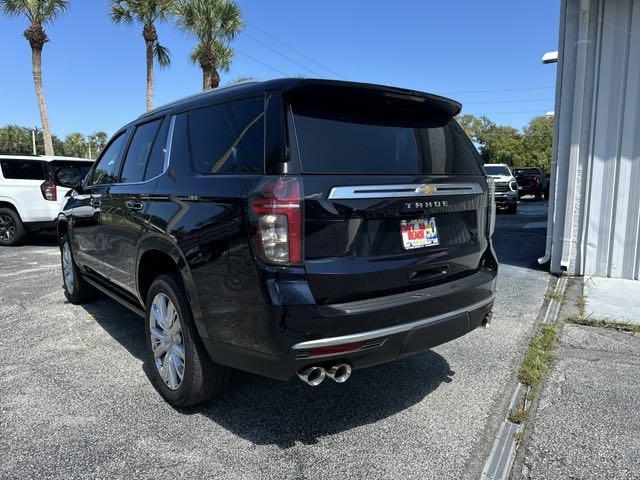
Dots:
pixel 11 227
pixel 180 366
pixel 76 289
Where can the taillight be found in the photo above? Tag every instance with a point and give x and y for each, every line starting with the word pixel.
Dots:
pixel 48 190
pixel 492 206
pixel 276 220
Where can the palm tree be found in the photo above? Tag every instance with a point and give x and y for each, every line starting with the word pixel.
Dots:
pixel 214 23
pixel 38 13
pixel 147 12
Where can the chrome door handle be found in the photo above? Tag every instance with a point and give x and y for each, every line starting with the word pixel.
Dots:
pixel 133 205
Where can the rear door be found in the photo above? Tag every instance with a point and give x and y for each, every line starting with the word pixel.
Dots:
pixel 395 197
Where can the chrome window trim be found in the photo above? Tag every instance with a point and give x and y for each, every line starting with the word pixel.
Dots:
pixel 167 158
pixel 388 331
pixel 406 190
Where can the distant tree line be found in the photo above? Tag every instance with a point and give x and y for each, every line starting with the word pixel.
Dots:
pixel 505 144
pixel 15 139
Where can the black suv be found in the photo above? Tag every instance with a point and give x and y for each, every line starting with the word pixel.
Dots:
pixel 286 227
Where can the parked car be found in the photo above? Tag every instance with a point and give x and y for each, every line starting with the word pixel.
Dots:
pixel 286 227
pixel 532 181
pixel 505 184
pixel 32 189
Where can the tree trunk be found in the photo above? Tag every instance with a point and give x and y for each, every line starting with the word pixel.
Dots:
pixel 215 78
pixel 149 47
pixel 36 67
pixel 206 79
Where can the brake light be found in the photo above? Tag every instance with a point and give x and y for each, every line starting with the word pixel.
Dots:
pixel 48 190
pixel 492 206
pixel 276 220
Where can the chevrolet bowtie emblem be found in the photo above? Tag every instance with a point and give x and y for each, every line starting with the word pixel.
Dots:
pixel 426 189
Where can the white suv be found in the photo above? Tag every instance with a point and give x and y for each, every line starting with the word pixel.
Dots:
pixel 32 190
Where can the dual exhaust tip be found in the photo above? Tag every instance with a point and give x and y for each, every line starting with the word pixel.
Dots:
pixel 315 374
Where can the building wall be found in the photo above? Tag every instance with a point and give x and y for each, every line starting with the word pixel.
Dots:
pixel 596 165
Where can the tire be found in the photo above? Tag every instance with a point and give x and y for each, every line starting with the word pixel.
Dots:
pixel 513 209
pixel 76 289
pixel 180 348
pixel 11 228
pixel 538 196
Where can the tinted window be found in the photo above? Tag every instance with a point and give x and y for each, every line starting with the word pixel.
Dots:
pixel 497 170
pixel 136 160
pixel 353 142
pixel 22 169
pixel 155 166
pixel 108 166
pixel 227 138
pixel 57 167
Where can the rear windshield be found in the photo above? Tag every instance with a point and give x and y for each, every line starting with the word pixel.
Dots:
pixel 62 176
pixel 394 142
pixel 519 171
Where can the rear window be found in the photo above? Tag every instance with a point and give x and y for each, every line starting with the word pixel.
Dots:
pixel 534 171
pixel 393 142
pixel 22 169
pixel 58 165
pixel 225 138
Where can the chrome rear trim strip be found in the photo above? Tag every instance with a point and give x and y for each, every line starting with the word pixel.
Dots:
pixel 396 191
pixel 385 332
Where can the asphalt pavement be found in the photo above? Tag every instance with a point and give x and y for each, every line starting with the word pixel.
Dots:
pixel 75 401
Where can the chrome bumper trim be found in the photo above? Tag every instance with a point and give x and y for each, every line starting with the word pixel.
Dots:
pixel 387 331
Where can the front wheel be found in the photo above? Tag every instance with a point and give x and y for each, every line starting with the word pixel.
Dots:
pixel 180 366
pixel 76 289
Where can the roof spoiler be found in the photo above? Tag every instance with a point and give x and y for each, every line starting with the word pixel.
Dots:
pixel 312 88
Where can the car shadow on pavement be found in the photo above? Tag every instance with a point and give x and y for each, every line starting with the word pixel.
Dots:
pixel 265 411
pixel 124 326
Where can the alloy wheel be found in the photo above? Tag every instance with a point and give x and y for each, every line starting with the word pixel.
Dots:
pixel 67 267
pixel 166 341
pixel 7 228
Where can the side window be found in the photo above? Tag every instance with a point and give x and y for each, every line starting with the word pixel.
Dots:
pixel 107 168
pixel 228 138
pixel 155 165
pixel 22 169
pixel 135 161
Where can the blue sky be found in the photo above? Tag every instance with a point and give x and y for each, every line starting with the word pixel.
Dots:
pixel 485 54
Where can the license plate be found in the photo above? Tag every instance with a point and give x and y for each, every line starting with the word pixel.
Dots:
pixel 419 233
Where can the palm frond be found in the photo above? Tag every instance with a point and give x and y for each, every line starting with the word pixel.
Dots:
pixel 36 11
pixel 121 12
pixel 161 54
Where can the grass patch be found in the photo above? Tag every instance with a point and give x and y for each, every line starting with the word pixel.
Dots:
pixel 581 303
pixel 518 437
pixel 538 356
pixel 557 296
pixel 596 322
pixel 517 415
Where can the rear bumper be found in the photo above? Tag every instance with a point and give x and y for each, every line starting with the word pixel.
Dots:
pixel 380 330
